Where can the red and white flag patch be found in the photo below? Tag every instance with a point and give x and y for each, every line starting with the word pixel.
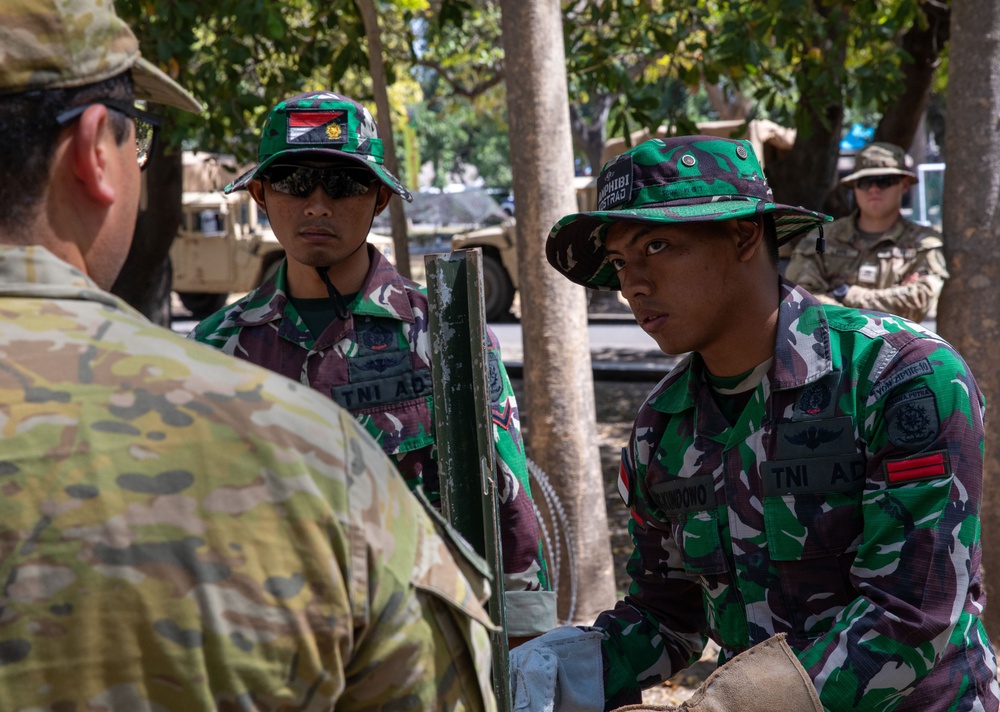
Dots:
pixel 317 127
pixel 926 466
pixel 625 480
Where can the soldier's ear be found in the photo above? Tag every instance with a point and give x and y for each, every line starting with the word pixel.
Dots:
pixel 749 238
pixel 256 190
pixel 382 198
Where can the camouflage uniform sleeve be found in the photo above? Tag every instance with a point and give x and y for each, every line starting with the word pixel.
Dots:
pixel 659 628
pixel 420 631
pixel 917 289
pixel 922 424
pixel 530 603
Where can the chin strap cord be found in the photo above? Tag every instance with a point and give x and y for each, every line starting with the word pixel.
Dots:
pixel 820 242
pixel 339 305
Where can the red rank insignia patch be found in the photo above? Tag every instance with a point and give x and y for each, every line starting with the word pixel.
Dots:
pixel 926 466
pixel 316 127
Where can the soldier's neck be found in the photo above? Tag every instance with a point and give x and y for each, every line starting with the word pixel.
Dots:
pixel 869 223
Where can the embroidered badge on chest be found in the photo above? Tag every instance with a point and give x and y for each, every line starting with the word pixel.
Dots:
pixel 817 400
pixel 375 337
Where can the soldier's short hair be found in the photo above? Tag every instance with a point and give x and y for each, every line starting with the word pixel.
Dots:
pixel 28 125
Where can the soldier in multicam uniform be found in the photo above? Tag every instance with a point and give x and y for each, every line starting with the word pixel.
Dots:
pixel 181 530
pixel 804 486
pixel 875 258
pixel 338 317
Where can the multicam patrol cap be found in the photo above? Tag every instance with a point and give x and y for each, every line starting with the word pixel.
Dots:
pixel 673 180
pixel 879 159
pixel 56 44
pixel 321 124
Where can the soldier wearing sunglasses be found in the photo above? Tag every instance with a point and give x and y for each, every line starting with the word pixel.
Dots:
pixel 338 317
pixel 875 258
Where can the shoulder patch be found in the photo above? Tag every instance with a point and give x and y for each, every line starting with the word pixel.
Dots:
pixel 625 477
pixel 908 373
pixel 912 419
pixel 494 377
pixel 925 466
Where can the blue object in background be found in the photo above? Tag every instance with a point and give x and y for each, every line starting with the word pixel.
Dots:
pixel 857 138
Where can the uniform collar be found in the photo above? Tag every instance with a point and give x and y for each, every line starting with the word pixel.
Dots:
pixel 32 271
pixel 892 234
pixel 383 293
pixel 801 353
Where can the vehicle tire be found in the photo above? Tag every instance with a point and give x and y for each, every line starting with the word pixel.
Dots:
pixel 498 291
pixel 202 304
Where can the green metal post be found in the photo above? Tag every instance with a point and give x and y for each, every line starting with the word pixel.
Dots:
pixel 463 426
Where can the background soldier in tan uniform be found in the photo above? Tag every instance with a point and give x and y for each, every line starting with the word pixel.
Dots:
pixel 875 258
pixel 180 530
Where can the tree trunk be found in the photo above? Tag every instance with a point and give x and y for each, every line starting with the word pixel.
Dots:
pixel 969 312
pixel 144 281
pixel 807 175
pixel 589 137
pixel 558 377
pixel 924 44
pixel 397 218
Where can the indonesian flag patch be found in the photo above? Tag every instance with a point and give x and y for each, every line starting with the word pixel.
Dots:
pixel 317 127
pixel 625 480
pixel 926 466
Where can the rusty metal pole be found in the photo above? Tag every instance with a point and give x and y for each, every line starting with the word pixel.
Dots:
pixel 463 426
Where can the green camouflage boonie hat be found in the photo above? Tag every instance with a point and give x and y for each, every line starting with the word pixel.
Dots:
pixel 674 180
pixel 879 159
pixel 59 44
pixel 321 124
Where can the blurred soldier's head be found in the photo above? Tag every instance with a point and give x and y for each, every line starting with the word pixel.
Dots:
pixel 882 175
pixel 69 75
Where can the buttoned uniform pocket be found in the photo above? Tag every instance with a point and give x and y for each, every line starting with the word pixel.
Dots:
pixel 700 544
pixel 812 540
pixel 400 427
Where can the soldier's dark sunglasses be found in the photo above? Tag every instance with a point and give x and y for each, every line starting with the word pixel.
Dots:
pixel 881 182
pixel 337 181
pixel 146 125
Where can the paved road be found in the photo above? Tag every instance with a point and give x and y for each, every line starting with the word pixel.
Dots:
pixel 619 349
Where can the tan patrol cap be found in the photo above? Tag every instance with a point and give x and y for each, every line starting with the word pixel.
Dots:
pixel 879 159
pixel 56 44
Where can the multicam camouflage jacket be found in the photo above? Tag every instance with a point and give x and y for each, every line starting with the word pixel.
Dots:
pixel 842 509
pixel 902 272
pixel 377 364
pixel 183 531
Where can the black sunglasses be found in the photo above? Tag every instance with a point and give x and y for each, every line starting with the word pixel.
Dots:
pixel 146 125
pixel 338 181
pixel 882 182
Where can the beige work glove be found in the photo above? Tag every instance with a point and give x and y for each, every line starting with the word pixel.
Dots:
pixel 766 678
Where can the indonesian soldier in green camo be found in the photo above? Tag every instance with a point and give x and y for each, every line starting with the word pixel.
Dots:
pixel 804 486
pixel 874 257
pixel 180 530
pixel 338 317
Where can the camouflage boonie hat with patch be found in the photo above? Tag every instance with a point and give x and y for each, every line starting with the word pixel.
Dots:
pixel 59 44
pixel 879 159
pixel 324 125
pixel 674 180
